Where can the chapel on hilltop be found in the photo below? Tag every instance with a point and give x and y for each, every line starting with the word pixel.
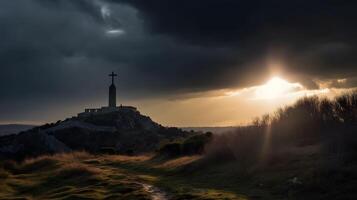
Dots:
pixel 112 105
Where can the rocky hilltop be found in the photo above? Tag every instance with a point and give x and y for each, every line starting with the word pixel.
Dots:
pixel 124 131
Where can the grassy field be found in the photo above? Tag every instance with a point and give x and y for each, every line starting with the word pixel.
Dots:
pixel 84 176
pixel 68 176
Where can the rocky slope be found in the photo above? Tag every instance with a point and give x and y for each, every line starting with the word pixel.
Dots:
pixel 124 131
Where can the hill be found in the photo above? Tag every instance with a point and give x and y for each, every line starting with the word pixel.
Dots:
pixel 124 131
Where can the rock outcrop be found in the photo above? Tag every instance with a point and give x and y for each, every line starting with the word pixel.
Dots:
pixel 124 131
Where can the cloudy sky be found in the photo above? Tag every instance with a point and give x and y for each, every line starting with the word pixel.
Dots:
pixel 183 62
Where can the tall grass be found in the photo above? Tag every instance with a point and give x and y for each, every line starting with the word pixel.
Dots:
pixel 71 170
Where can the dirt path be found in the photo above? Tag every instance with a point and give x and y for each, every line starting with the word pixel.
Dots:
pixel 154 192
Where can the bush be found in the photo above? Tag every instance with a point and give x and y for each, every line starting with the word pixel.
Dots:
pixel 195 144
pixel 190 146
pixel 170 150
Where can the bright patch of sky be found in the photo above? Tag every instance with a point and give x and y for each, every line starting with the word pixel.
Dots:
pixel 111 28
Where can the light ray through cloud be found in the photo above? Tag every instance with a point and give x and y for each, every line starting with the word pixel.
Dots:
pixel 116 32
pixel 112 25
pixel 277 88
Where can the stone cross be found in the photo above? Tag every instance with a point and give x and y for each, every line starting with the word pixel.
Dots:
pixel 113 75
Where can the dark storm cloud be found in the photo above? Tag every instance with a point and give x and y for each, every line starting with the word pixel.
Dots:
pixel 237 20
pixel 88 7
pixel 304 32
pixel 62 50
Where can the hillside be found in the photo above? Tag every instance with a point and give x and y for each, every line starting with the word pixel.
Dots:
pixel 124 131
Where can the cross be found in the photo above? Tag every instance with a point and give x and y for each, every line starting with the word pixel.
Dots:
pixel 113 75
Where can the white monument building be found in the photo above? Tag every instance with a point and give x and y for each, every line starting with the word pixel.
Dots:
pixel 112 106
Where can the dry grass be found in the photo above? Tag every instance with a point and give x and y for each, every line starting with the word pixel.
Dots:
pixel 84 176
pixel 73 156
pixel 38 164
pixel 178 162
pixel 71 170
pixel 77 175
pixel 122 158
pixel 44 163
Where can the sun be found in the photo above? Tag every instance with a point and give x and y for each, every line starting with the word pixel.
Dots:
pixel 276 87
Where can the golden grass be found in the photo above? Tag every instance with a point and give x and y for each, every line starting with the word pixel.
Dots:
pixel 77 175
pixel 37 164
pixel 122 158
pixel 80 175
pixel 178 162
pixel 71 170
pixel 65 157
pixel 73 156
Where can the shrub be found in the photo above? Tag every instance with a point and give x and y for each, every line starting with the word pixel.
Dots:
pixel 170 150
pixel 190 146
pixel 196 144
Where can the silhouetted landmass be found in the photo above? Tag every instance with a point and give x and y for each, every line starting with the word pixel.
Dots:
pixel 124 131
pixel 8 129
pixel 212 129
